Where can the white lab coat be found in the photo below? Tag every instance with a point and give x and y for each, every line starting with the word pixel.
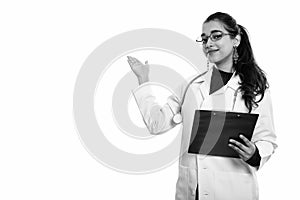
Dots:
pixel 218 178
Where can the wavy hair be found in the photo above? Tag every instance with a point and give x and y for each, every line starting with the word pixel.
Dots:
pixel 253 79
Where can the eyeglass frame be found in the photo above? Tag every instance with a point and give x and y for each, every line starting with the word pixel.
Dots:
pixel 210 37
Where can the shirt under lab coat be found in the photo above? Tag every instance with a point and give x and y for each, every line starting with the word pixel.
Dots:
pixel 218 178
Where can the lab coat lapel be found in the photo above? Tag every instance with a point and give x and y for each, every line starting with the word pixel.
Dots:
pixel 234 82
pixel 202 86
pixel 220 98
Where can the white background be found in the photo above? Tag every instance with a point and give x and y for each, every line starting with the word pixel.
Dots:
pixel 42 47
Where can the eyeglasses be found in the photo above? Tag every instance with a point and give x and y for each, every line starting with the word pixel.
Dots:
pixel 214 36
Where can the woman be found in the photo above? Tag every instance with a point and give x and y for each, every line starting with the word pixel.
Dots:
pixel 245 89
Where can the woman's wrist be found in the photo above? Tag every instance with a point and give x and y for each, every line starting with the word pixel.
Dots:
pixel 143 80
pixel 254 161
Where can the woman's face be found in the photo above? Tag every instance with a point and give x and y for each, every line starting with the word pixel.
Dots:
pixel 218 51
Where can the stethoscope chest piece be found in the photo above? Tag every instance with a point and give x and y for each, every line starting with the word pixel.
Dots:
pixel 177 118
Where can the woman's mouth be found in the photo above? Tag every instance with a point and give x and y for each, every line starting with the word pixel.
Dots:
pixel 212 51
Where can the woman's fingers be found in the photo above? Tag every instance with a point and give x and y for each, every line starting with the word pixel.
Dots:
pixel 238 144
pixel 250 145
pixel 245 151
pixel 247 142
pixel 132 61
pixel 241 153
pixel 140 69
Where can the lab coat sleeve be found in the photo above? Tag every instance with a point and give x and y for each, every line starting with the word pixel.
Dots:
pixel 264 133
pixel 157 118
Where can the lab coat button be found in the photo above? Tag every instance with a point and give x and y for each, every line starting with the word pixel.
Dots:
pixel 177 118
pixel 205 196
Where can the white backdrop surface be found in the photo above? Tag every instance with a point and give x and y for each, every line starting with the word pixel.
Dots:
pixel 43 45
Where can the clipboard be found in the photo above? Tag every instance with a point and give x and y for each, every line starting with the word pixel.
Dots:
pixel 212 130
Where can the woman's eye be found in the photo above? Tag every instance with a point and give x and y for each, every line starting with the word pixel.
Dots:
pixel 216 37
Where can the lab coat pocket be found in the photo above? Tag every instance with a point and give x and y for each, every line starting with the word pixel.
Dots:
pixel 231 186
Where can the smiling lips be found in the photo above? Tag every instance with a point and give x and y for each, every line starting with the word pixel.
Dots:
pixel 212 51
pixel 209 52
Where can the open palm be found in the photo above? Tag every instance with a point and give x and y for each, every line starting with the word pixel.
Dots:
pixel 140 70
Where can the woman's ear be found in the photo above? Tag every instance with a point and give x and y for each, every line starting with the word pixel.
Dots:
pixel 237 40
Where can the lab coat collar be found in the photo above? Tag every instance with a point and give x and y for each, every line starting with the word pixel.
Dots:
pixel 204 83
pixel 234 82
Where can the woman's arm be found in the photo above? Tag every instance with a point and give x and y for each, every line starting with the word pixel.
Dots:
pixel 158 119
pixel 257 151
pixel 264 135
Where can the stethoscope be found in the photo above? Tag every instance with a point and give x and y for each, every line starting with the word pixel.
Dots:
pixel 177 118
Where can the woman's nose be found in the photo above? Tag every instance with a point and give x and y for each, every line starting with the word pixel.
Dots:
pixel 208 43
pixel 207 46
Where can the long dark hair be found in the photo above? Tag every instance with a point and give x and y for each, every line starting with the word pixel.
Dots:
pixel 253 79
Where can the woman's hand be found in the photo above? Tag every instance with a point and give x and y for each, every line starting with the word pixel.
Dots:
pixel 139 69
pixel 244 151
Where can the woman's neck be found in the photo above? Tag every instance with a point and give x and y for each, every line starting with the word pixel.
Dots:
pixel 226 66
